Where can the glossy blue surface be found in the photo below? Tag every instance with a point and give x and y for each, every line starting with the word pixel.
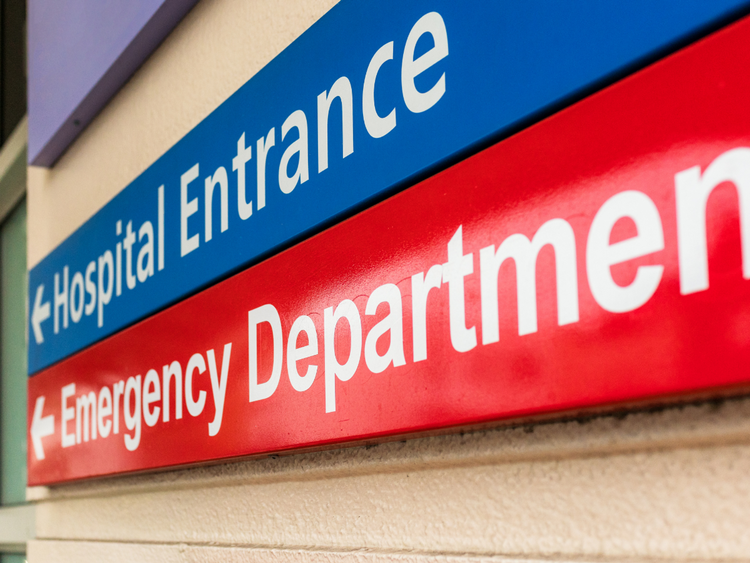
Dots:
pixel 508 64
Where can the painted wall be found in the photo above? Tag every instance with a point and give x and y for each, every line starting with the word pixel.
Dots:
pixel 669 484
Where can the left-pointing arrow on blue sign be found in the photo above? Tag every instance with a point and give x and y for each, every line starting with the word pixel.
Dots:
pixel 39 314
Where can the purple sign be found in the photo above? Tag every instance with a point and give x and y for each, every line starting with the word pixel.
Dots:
pixel 80 53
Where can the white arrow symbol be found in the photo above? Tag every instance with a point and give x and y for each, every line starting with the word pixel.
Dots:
pixel 39 315
pixel 41 427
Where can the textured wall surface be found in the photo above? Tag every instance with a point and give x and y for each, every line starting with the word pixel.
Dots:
pixel 671 484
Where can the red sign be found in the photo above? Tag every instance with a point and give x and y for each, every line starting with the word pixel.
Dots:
pixel 598 258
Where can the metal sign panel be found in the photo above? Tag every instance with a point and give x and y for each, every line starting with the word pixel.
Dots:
pixel 596 259
pixel 373 96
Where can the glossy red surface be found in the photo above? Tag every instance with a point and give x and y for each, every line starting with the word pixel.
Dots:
pixel 681 112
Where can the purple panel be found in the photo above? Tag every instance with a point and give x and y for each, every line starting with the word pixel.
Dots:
pixel 80 53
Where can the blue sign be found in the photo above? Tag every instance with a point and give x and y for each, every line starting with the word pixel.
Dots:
pixel 372 97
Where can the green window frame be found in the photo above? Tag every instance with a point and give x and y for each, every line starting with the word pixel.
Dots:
pixel 13 357
pixel 17 517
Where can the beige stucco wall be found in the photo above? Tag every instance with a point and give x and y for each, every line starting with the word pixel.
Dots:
pixel 671 484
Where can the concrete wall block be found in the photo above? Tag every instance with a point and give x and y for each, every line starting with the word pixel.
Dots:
pixel 676 501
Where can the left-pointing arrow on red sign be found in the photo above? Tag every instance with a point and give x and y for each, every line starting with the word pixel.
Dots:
pixel 41 427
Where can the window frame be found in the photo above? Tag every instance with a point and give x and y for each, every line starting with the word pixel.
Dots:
pixel 17 522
